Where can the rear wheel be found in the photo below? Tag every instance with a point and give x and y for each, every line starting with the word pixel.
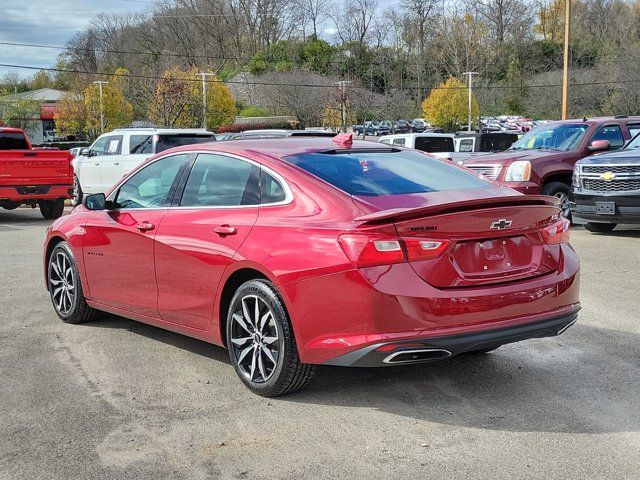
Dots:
pixel 561 191
pixel 65 287
pixel 600 227
pixel 261 343
pixel 52 209
pixel 77 192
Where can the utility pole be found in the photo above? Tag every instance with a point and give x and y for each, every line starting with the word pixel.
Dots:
pixel 470 74
pixel 100 83
pixel 342 86
pixel 565 70
pixel 204 97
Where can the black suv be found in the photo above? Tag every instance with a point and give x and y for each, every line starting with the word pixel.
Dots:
pixel 606 188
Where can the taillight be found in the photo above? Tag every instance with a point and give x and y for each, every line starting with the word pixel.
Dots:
pixel 371 250
pixel 423 249
pixel 557 233
pixel 368 251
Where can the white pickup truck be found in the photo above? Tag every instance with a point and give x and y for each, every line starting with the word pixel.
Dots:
pixel 116 153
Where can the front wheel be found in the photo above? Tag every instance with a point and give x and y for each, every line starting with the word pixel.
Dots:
pixel 52 209
pixel 561 191
pixel 261 343
pixel 600 227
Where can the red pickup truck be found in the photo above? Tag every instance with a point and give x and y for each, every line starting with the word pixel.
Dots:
pixel 541 161
pixel 33 177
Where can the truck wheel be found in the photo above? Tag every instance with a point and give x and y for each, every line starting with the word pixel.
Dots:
pixel 561 191
pixel 52 209
pixel 600 227
pixel 77 192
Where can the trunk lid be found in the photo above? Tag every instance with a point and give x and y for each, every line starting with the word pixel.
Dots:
pixel 20 166
pixel 488 241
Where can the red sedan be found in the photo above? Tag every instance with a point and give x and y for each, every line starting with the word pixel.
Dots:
pixel 297 252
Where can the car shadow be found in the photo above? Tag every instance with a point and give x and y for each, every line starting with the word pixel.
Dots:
pixel 583 382
pixel 25 216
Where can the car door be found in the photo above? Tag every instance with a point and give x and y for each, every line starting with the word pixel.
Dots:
pixel 199 236
pixel 88 168
pixel 119 243
pixel 111 162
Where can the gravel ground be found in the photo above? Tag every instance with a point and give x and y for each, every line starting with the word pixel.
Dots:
pixel 118 399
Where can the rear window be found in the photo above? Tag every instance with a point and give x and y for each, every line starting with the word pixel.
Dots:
pixel 386 173
pixel 434 144
pixel 166 142
pixel 13 141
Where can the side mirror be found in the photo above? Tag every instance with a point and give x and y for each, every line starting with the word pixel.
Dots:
pixel 599 146
pixel 97 201
pixel 85 152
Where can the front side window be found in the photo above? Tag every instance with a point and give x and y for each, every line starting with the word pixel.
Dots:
pixel 113 145
pixel 151 187
pixel 395 172
pixel 634 129
pixel 99 147
pixel 221 181
pixel 612 134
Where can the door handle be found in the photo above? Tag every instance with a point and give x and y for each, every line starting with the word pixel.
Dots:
pixel 144 226
pixel 224 230
pixel 97 164
pixel 116 163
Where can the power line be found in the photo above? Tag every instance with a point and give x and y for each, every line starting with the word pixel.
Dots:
pixel 309 85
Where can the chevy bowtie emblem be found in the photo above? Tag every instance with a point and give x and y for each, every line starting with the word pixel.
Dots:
pixel 608 176
pixel 501 224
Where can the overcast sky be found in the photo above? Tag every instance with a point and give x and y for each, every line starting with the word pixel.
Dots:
pixel 50 22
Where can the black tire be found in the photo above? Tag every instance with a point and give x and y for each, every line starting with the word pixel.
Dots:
pixel 78 310
pixel 560 190
pixel 600 227
pixel 249 355
pixel 52 209
pixel 77 192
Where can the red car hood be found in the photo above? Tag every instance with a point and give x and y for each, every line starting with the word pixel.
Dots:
pixel 509 156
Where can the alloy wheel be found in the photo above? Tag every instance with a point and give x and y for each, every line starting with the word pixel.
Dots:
pixel 255 339
pixel 564 203
pixel 62 283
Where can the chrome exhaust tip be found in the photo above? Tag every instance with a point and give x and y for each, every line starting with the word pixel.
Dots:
pixel 419 355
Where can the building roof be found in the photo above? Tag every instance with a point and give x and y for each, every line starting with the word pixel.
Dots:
pixel 41 95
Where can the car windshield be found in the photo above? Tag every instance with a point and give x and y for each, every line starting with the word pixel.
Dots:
pixel 166 142
pixel 562 136
pixel 392 172
pixel 634 142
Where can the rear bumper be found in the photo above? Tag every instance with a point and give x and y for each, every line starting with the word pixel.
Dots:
pixel 627 208
pixel 34 193
pixel 436 348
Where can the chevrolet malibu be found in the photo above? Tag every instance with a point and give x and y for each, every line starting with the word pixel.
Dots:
pixel 293 253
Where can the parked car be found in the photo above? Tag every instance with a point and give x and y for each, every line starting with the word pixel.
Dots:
pixel 384 128
pixel 439 144
pixel 471 142
pixel 542 160
pixel 281 133
pixel 401 126
pixel 606 189
pixel 33 177
pixel 418 125
pixel 376 256
pixel 116 153
pixel 372 127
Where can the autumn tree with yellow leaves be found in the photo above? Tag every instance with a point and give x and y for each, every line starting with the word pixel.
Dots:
pixel 447 105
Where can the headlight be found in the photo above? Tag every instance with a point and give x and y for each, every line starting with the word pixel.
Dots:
pixel 519 171
pixel 576 176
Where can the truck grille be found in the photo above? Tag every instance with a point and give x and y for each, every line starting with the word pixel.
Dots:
pixel 622 185
pixel 611 168
pixel 489 171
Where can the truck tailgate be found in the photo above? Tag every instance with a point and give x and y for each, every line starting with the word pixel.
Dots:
pixel 22 167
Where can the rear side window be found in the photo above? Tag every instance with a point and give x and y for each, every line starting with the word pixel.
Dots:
pixel 399 141
pixel 466 145
pixel 13 141
pixel 270 189
pixel 221 181
pixel 612 134
pixel 386 173
pixel 166 142
pixel 497 143
pixel 434 144
pixel 141 144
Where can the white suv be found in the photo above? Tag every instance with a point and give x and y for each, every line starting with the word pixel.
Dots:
pixel 115 154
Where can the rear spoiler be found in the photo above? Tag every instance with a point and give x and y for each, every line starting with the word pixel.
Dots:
pixel 400 214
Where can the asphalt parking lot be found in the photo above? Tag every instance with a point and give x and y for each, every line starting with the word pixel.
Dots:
pixel 119 399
